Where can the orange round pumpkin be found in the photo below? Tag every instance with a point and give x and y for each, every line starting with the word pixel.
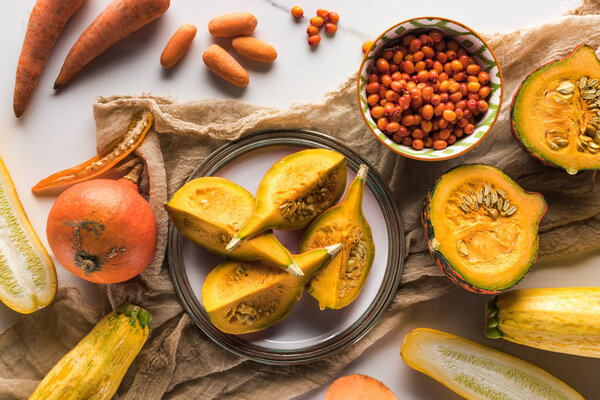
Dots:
pixel 103 230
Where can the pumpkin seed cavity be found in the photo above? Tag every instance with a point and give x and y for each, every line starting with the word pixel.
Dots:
pixel 309 206
pixel 572 115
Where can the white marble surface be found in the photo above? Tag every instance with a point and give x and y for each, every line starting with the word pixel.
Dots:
pixel 57 131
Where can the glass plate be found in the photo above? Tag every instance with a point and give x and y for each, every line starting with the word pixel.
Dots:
pixel 307 334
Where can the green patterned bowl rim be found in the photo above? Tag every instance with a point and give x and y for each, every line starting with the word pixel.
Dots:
pixel 477 48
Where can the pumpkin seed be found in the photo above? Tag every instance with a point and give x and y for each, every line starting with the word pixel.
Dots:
pixel 462 248
pixel 501 193
pixel 566 87
pixel 499 205
pixel 592 82
pixel 480 196
pixel 506 205
pixel 494 197
pixel 585 96
pixel 511 211
pixel 582 82
pixel 464 207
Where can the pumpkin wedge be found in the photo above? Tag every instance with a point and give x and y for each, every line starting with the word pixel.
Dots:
pixel 478 372
pixel 358 387
pixel 294 191
pixel 556 112
pixel 103 162
pixel 95 367
pixel 482 227
pixel 27 274
pixel 340 282
pixel 209 211
pixel 565 320
pixel 243 297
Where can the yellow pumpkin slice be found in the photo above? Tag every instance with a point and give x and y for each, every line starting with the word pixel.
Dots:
pixel 338 284
pixel 27 275
pixel 242 297
pixel 209 211
pixel 294 191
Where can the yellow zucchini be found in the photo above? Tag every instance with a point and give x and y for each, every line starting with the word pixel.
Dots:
pixel 27 274
pixel 564 320
pixel 478 372
pixel 94 369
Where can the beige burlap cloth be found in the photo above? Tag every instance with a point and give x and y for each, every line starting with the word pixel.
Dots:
pixel 178 361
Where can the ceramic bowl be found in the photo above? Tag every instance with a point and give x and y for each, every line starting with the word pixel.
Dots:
pixel 476 48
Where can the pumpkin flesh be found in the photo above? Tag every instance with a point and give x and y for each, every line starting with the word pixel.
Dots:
pixel 555 116
pixel 490 247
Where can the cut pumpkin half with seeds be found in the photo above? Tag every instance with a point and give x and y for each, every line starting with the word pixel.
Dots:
pixel 338 284
pixel 243 297
pixel 210 210
pixel 478 372
pixel 27 274
pixel 294 191
pixel 99 165
pixel 556 112
pixel 482 227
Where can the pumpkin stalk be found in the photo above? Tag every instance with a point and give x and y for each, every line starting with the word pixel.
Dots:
pixel 135 173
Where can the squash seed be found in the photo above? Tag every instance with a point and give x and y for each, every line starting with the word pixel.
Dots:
pixel 461 246
pixel 566 87
pixel 501 193
pixel 511 211
pixel 582 82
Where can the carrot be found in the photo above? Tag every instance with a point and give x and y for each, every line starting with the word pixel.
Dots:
pixel 358 387
pixel 254 49
pixel 46 22
pixel 232 24
pixel 219 61
pixel 178 45
pixel 118 20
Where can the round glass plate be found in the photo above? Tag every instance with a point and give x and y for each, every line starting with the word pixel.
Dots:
pixel 307 334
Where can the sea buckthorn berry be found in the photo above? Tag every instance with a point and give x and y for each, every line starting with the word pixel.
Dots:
pixel 408 57
pixel 438 66
pixel 317 21
pixel 427 111
pixel 484 77
pixel 468 113
pixel 387 54
pixel 418 56
pixel 398 57
pixel 418 144
pixel 444 97
pixel 418 119
pixel 464 90
pixel 408 67
pixel 427 93
pixel 445 133
pixel 385 80
pixel 444 86
pixel 373 87
pixel 426 126
pixel 473 87
pixel 428 51
pixel 455 97
pixel 469 129
pixel 471 78
pixel 484 92
pixel 439 109
pixel 482 105
pixel 396 76
pixel 394 68
pixel 392 127
pixel 423 76
pixel 458 132
pixel 313 30
pixel 456 66
pixel 419 66
pixel 373 78
pixel 459 76
pixel 462 123
pixel 464 60
pixel 451 54
pixel 382 102
pixel 297 12
pixel 428 141
pixel 443 76
pixel 392 96
pixel 459 114
pixel 425 39
pixel 381 92
pixel 365 47
pixel 377 112
pixel 454 87
pixel 452 44
pixel 440 144
pixel 389 108
pixel 382 65
pixel 473 69
pixel 451 140
pixel 448 68
pixel 414 93
pixel 373 99
pixel 330 28
pixel 473 96
pixel 414 45
pixel 407 39
pixel 449 115
pixel 322 13
pixel 436 36
pixel 435 100
pixel 449 105
pixel 382 123
pixel 408 120
pixel 443 124
pixel 407 141
pixel 417 134
pixel 461 105
pixel 333 17
pixel 396 86
pixel 440 46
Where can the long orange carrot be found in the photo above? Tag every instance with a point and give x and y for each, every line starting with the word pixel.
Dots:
pixel 46 22
pixel 118 20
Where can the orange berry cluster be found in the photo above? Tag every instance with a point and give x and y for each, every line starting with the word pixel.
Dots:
pixel 324 18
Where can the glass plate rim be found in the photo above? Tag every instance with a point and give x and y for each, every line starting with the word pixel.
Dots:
pixel 384 296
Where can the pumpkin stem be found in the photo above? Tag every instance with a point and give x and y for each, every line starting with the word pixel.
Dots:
pixel 135 173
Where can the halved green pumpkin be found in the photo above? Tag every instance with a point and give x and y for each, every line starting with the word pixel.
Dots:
pixel 482 227
pixel 294 191
pixel 242 297
pixel 556 112
pixel 209 211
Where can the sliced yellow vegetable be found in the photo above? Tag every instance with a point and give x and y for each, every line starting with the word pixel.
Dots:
pixel 478 372
pixel 27 274
pixel 94 369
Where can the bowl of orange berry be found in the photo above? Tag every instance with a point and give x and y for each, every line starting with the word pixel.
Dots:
pixel 429 88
